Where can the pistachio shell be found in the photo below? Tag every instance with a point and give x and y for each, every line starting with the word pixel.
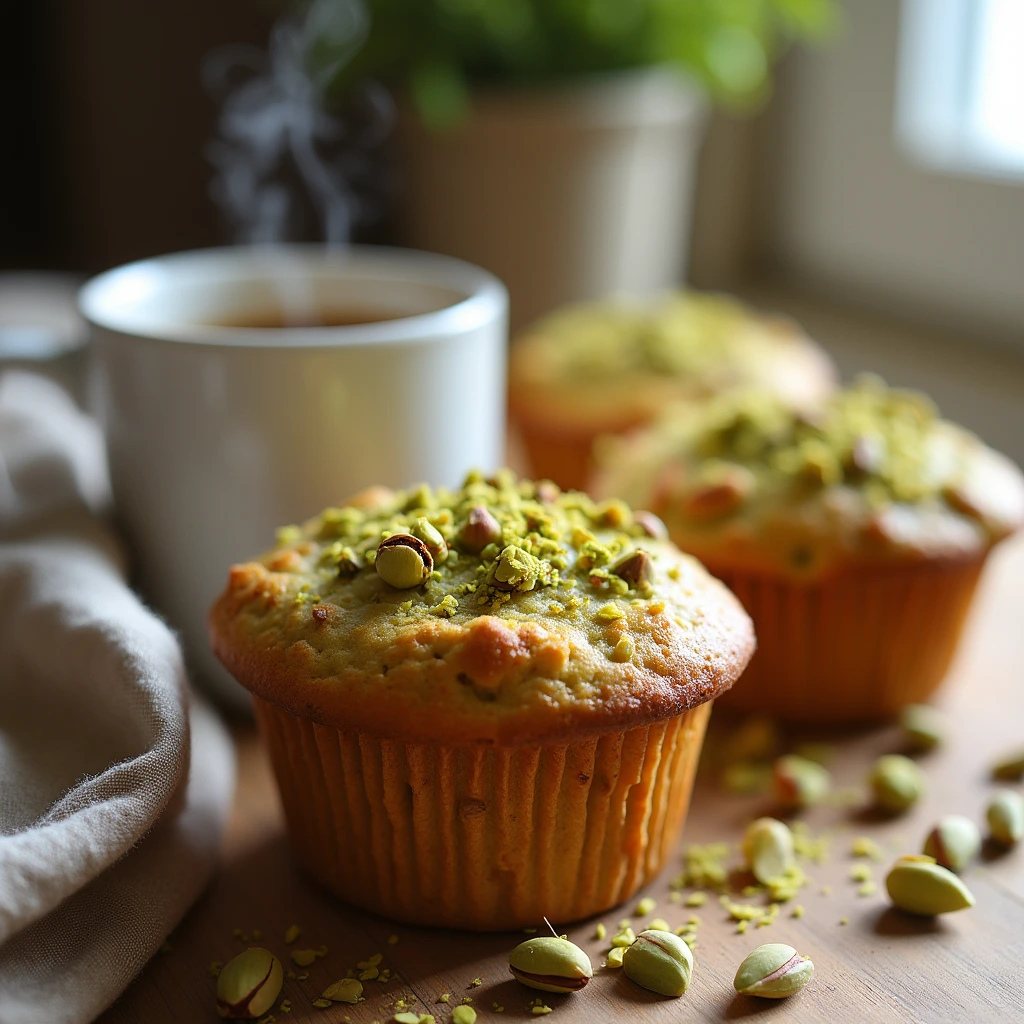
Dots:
pixel 550 964
pixel 403 561
pixel 1006 817
pixel 920 886
pixel 773 971
pixel 954 842
pixel 800 782
pixel 248 984
pixel 924 726
pixel 659 962
pixel 896 782
pixel 768 847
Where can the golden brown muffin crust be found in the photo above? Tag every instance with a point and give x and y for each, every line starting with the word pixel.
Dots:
pixel 572 621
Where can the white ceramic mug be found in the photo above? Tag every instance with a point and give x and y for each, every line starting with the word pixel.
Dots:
pixel 216 435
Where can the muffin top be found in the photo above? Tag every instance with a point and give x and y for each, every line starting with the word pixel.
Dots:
pixel 613 365
pixel 872 475
pixel 505 611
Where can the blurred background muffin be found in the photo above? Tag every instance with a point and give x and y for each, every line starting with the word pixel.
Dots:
pixel 427 664
pixel 608 367
pixel 853 534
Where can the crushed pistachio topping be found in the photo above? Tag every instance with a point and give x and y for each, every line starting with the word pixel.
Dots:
pixel 869 437
pixel 686 333
pixel 475 550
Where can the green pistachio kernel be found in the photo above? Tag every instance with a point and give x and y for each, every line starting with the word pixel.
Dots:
pixel 918 885
pixel 551 964
pixel 615 955
pixel 896 782
pixel 660 962
pixel 1009 768
pixel 1005 816
pixel 954 842
pixel 403 561
pixel 431 536
pixel 248 985
pixel 623 650
pixel 646 906
pixel 925 727
pixel 773 971
pixel 463 1015
pixel 800 782
pixel 769 849
pixel 348 990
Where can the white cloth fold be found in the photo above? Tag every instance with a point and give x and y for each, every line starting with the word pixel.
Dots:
pixel 110 818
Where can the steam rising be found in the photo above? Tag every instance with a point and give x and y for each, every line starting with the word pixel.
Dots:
pixel 281 150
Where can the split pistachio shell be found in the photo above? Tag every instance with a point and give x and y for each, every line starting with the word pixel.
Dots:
pixel 248 984
pixel 550 964
pixel 924 726
pixel 403 561
pixel 954 842
pixel 1010 768
pixel 773 971
pixel 659 962
pixel 896 782
pixel 800 782
pixel 920 886
pixel 768 847
pixel 1006 817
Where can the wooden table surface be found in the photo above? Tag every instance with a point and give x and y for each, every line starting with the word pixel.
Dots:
pixel 878 966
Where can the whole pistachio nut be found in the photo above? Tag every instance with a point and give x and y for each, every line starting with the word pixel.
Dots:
pixel 800 782
pixel 918 885
pixel 660 962
pixel 1009 768
pixel 924 727
pixel 896 782
pixel 248 984
pixel 768 847
pixel 403 561
pixel 636 568
pixel 550 964
pixel 479 530
pixel 773 971
pixel 1006 817
pixel 954 842
pixel 431 536
pixel 651 525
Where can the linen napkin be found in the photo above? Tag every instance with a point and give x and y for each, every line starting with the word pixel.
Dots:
pixel 115 785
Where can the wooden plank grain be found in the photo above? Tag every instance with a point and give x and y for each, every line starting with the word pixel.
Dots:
pixel 879 966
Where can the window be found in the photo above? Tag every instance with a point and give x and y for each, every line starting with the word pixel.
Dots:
pixel 960 101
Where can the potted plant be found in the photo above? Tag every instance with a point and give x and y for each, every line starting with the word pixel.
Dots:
pixel 554 141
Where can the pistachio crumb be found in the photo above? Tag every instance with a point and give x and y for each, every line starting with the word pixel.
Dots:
pixel 463 1015
pixel 645 906
pixel 444 997
pixel 844 920
pixel 475 983
pixel 539 1010
pixel 798 911
pixel 868 888
pixel 321 1004
pixel 292 934
pixel 659 924
pixel 860 873
pixel 600 931
pixel 392 940
pixel 214 967
pixel 696 899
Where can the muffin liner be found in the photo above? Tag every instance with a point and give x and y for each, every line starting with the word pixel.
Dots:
pixel 565 458
pixel 483 837
pixel 858 646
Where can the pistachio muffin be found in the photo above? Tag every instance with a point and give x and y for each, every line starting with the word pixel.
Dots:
pixel 609 367
pixel 484 705
pixel 853 535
